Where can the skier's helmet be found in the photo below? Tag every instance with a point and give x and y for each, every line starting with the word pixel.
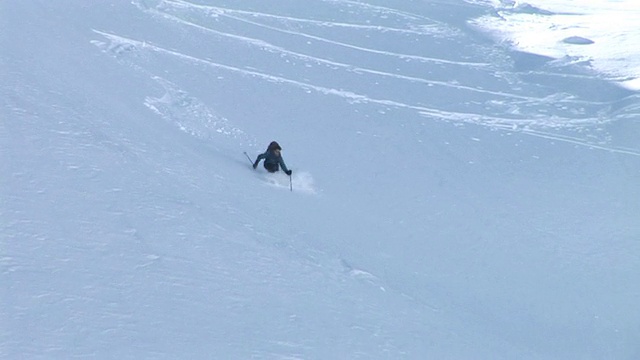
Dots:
pixel 274 146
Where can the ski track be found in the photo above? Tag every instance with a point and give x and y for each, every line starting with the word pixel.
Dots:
pixel 523 125
pixel 367 7
pixel 226 12
pixel 124 42
pixel 318 23
pixel 348 95
pixel 181 4
pixel 380 9
pixel 348 67
pixel 190 114
pixel 518 120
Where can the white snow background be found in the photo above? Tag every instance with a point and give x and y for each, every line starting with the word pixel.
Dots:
pixel 601 34
pixel 453 197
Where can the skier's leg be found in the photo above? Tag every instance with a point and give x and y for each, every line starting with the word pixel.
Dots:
pixel 271 167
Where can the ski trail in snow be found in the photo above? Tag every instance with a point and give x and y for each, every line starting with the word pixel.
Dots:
pixel 348 67
pixel 362 275
pixel 348 95
pixel 190 114
pixel 375 281
pixel 261 44
pixel 518 123
pixel 434 28
pixel 382 9
pixel 187 112
pixel 229 13
pixel 423 30
pixel 523 125
pixel 581 142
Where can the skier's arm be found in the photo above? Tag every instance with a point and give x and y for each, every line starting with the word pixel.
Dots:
pixel 282 165
pixel 260 157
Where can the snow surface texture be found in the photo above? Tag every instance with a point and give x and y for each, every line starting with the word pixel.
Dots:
pixel 452 198
pixel 561 29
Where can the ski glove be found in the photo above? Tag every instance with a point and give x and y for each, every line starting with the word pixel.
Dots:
pixel 288 172
pixel 255 165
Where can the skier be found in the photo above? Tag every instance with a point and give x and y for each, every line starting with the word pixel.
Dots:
pixel 272 159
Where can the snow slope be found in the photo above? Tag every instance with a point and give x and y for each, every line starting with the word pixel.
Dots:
pixel 599 34
pixel 452 198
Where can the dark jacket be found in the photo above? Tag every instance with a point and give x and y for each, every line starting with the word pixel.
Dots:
pixel 271 159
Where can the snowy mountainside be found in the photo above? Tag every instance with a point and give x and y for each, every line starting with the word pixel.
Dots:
pixel 451 198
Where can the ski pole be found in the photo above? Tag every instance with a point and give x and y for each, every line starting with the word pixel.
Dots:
pixel 247 155
pixel 290 184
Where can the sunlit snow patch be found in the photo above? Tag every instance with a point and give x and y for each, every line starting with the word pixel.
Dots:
pixel 602 33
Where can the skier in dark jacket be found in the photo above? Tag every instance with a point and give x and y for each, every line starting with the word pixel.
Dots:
pixel 272 159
